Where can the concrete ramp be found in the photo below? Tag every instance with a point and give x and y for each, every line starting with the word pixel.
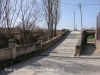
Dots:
pixel 65 47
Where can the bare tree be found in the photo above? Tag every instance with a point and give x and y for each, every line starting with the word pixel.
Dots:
pixel 48 6
pixel 9 14
pixel 0 10
pixel 51 10
pixel 6 14
pixel 23 12
pixel 29 16
pixel 56 14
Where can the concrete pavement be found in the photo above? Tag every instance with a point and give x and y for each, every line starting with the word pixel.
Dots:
pixel 55 66
pixel 65 47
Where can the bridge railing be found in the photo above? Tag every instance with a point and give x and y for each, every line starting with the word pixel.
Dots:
pixel 52 41
pixel 78 46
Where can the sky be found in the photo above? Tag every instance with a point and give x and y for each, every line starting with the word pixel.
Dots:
pixel 89 13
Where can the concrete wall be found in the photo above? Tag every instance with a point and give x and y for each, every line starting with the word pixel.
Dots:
pixel 12 52
pixel 5 54
pixel 59 32
pixel 27 49
pixel 98 45
pixel 52 41
pixel 79 44
pixel 83 40
pixel 98 27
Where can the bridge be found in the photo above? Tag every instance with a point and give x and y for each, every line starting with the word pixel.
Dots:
pixel 64 54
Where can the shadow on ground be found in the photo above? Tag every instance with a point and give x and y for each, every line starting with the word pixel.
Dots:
pixel 71 66
pixel 89 49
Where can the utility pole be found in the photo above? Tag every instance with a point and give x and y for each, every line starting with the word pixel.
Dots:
pixel 76 27
pixel 74 20
pixel 79 5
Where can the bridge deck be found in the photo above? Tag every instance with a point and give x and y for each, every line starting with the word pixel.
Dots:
pixel 65 47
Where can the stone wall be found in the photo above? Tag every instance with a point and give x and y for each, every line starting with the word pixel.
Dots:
pixel 98 45
pixel 5 54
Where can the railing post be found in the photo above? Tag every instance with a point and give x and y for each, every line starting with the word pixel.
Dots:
pixel 41 42
pixel 12 45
